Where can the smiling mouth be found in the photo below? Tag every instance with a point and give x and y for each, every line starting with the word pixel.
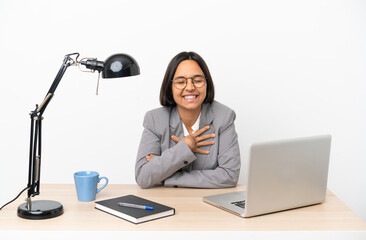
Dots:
pixel 190 97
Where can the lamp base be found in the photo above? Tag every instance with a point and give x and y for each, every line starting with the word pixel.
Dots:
pixel 41 209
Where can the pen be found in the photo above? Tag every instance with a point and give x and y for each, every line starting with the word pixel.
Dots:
pixel 122 204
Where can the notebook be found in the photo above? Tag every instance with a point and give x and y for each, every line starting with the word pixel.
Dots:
pixel 281 175
pixel 134 215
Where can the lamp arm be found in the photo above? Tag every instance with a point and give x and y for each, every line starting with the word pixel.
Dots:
pixel 36 131
pixel 68 61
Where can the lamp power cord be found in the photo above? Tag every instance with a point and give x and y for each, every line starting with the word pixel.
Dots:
pixel 14 198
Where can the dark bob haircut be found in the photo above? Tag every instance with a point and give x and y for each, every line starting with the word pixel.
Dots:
pixel 166 94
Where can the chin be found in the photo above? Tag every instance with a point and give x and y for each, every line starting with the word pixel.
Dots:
pixel 192 106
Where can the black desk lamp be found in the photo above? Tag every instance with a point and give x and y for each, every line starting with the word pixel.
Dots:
pixel 118 65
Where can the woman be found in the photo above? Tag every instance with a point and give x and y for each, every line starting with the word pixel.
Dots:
pixel 191 140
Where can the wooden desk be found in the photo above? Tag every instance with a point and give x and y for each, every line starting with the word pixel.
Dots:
pixel 192 214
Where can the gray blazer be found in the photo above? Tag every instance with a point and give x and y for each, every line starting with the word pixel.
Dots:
pixel 176 165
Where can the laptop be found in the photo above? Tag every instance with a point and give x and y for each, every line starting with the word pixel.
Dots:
pixel 281 175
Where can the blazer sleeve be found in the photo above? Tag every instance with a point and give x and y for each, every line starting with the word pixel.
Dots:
pixel 226 174
pixel 154 172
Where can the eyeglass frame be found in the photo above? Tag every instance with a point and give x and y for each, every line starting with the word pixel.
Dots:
pixel 186 80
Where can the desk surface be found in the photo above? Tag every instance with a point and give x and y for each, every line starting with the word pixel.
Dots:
pixel 192 214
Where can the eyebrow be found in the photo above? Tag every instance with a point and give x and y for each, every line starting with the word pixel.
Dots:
pixel 198 75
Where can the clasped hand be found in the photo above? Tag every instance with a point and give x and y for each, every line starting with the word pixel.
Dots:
pixel 194 141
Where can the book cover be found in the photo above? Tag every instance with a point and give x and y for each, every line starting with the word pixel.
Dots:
pixel 134 215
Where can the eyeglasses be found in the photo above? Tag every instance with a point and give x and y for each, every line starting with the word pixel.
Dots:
pixel 181 82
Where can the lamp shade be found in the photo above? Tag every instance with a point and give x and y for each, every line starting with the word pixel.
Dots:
pixel 120 65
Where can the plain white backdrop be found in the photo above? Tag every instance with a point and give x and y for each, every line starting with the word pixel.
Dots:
pixel 288 69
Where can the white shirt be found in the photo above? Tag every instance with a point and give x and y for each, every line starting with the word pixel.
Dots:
pixel 195 126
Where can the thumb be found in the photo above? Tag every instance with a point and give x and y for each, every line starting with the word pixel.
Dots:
pixel 175 138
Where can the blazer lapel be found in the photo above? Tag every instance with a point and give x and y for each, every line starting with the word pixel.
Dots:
pixel 207 117
pixel 175 125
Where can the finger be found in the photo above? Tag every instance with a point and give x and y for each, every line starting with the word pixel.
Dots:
pixel 204 137
pixel 205 143
pixel 148 157
pixel 175 138
pixel 197 150
pixel 202 130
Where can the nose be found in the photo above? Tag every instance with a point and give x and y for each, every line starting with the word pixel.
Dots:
pixel 190 85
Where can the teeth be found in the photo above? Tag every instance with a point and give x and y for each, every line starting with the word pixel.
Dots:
pixel 189 97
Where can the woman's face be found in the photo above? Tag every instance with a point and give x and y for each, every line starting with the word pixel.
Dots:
pixel 190 97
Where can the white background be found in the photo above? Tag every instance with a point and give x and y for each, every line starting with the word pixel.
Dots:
pixel 288 69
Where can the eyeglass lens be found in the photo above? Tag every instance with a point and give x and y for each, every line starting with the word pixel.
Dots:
pixel 181 82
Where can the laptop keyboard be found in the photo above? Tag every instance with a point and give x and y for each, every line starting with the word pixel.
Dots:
pixel 240 204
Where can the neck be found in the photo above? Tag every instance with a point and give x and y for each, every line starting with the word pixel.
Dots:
pixel 189 117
